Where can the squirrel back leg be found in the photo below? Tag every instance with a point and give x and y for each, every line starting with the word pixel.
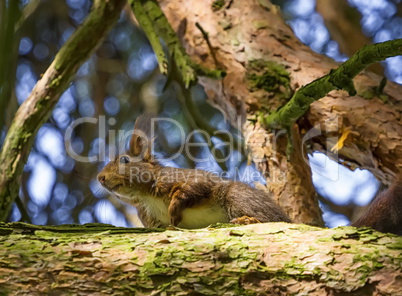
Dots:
pixel 242 200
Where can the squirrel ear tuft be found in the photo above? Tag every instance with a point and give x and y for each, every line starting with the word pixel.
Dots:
pixel 142 138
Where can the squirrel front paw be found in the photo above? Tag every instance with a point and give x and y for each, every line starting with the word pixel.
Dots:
pixel 175 220
pixel 245 220
pixel 175 212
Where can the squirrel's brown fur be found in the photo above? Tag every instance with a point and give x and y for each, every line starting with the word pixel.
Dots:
pixel 186 198
pixel 192 198
pixel 385 212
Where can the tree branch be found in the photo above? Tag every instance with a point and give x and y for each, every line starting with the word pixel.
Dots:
pixel 154 23
pixel 147 25
pixel 38 106
pixel 340 78
pixel 280 258
pixel 9 16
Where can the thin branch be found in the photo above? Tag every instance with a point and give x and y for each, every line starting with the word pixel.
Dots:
pixel 24 214
pixel 28 10
pixel 146 24
pixel 181 68
pixel 341 78
pixel 148 12
pixel 38 106
pixel 206 38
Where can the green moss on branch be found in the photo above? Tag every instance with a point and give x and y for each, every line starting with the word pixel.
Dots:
pixel 240 260
pixel 340 78
pixel 146 24
pixel 155 25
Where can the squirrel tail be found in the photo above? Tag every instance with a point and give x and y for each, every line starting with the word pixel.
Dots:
pixel 385 212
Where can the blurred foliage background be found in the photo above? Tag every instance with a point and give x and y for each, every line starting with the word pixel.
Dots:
pixel 121 81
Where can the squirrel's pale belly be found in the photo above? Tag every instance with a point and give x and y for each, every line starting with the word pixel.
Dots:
pixel 202 216
pixel 196 217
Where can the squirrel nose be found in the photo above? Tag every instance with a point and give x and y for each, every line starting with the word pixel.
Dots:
pixel 101 178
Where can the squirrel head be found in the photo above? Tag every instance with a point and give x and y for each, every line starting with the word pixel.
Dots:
pixel 132 174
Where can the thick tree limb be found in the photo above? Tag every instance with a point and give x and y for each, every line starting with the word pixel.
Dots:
pixel 38 106
pixel 259 259
pixel 340 78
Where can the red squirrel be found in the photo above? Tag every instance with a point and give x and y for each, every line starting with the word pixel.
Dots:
pixel 190 198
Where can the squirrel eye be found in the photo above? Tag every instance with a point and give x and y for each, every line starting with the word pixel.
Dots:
pixel 124 159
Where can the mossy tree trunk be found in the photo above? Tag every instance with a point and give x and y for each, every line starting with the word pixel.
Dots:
pixel 259 259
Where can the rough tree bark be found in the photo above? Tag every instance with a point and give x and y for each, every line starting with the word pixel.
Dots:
pixel 259 259
pixel 251 40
